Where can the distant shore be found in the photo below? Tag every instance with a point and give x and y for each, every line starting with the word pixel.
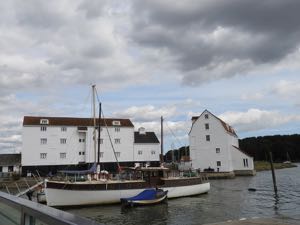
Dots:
pixel 264 165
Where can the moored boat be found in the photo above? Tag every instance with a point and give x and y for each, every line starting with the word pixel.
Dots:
pixel 146 197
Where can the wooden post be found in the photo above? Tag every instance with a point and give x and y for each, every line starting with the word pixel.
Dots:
pixel 273 172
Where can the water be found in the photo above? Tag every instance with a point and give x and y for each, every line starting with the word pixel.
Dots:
pixel 227 200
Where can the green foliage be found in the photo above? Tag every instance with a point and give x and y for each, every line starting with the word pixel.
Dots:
pixel 283 147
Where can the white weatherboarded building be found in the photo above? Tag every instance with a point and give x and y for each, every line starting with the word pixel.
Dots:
pixel 214 145
pixel 53 143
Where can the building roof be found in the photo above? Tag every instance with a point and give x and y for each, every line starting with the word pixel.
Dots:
pixel 70 121
pixel 242 151
pixel 148 137
pixel 10 159
pixel 227 127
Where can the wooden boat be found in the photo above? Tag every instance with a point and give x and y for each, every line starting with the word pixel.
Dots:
pixel 146 197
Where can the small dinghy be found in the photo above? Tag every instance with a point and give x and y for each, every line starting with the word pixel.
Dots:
pixel 146 197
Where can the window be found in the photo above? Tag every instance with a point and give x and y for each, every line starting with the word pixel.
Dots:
pixel 245 162
pixel 43 128
pixel 207 137
pixel 43 155
pixel 217 150
pixel 101 141
pixel 63 129
pixel 1 169
pixel 44 121
pixel 101 154
pixel 218 163
pixel 153 152
pixel 118 154
pixel 10 168
pixel 43 141
pixel 81 140
pixel 63 141
pixel 206 126
pixel 117 141
pixel 116 123
pixel 206 116
pixel 117 129
pixel 81 153
pixel 140 152
pixel 62 155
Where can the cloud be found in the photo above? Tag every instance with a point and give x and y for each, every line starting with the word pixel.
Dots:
pixel 208 40
pixel 256 119
pixel 286 88
pixel 146 113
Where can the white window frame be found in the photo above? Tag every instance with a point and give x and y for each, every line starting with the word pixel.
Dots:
pixel 63 129
pixel 140 152
pixel 117 129
pixel 206 116
pixel 81 140
pixel 207 137
pixel 101 154
pixel 44 121
pixel 118 154
pixel 206 126
pixel 101 140
pixel 43 141
pixel 62 155
pixel 219 163
pixel 153 152
pixel 43 128
pixel 43 155
pixel 218 150
pixel 245 161
pixel 63 141
pixel 117 141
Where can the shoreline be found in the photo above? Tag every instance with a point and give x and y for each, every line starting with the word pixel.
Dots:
pixel 264 166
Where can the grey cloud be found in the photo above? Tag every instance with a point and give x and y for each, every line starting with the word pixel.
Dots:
pixel 262 32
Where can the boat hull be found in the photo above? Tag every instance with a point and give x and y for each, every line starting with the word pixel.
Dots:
pixel 67 197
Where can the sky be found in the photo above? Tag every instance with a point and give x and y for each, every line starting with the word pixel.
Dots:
pixel 239 59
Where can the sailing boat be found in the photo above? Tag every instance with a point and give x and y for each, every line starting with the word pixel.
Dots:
pixel 107 191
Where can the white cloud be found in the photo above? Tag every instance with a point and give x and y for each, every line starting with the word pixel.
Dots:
pixel 256 119
pixel 286 88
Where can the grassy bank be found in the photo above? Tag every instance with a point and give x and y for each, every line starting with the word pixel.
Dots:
pixel 263 165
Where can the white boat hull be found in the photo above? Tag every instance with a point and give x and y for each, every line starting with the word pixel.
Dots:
pixel 62 197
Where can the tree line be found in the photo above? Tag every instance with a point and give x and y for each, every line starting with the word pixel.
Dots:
pixel 283 148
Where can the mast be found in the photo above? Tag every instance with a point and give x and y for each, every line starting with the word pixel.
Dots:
pixel 161 140
pixel 94 120
pixel 99 132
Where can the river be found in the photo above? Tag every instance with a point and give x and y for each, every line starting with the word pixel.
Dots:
pixel 227 200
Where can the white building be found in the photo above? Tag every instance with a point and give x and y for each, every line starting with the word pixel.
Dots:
pixel 51 143
pixel 214 144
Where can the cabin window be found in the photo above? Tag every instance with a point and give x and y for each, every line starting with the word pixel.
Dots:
pixel 218 150
pixel 206 116
pixel 245 162
pixel 207 137
pixel 63 129
pixel 140 152
pixel 43 128
pixel 153 152
pixel 117 141
pixel 62 155
pixel 63 141
pixel 218 163
pixel 43 141
pixel 43 155
pixel 118 154
pixel 81 140
pixel 206 126
pixel 117 129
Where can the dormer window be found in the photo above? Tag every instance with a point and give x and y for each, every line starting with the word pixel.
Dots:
pixel 44 121
pixel 116 123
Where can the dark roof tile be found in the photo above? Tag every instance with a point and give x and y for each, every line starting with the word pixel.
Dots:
pixel 148 137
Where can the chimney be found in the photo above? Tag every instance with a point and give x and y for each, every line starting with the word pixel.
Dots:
pixel 142 131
